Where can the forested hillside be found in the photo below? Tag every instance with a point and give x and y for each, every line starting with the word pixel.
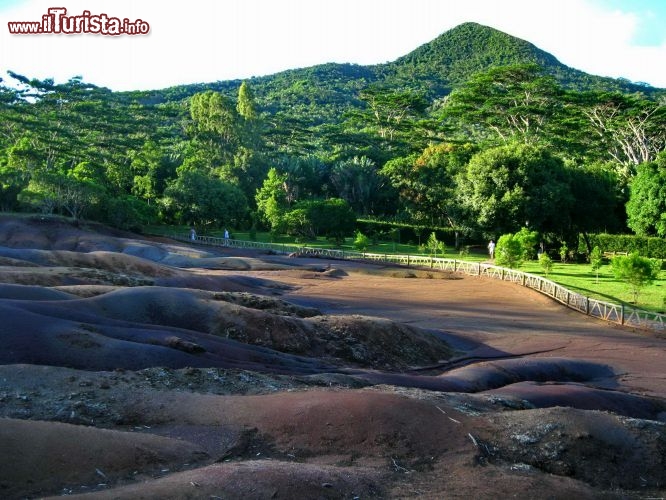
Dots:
pixel 477 131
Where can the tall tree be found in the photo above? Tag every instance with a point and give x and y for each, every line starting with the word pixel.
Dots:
pixel 246 106
pixel 251 123
pixel 152 167
pixel 646 207
pixel 358 182
pixel 509 103
pixel 599 203
pixel 303 177
pixel 272 200
pixel 393 115
pixel 72 193
pixel 197 198
pixel 215 125
pixel 227 138
pixel 631 128
pixel 508 187
pixel 427 183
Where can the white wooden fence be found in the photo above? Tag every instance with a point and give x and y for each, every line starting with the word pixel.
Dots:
pixel 615 313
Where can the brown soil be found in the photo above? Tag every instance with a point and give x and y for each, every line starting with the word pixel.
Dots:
pixel 142 368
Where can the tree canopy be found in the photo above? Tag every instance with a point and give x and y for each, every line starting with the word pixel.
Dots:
pixel 477 131
pixel 647 205
pixel 507 187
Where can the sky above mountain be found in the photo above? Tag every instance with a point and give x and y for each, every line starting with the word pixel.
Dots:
pixel 210 40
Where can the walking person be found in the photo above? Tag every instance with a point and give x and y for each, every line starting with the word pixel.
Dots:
pixel 491 249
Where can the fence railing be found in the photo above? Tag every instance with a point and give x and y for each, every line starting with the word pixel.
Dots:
pixel 608 311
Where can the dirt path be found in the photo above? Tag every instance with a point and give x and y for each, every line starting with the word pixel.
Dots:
pixel 506 318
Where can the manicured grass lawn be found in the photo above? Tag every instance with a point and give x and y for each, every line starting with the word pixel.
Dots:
pixel 580 278
pixel 576 277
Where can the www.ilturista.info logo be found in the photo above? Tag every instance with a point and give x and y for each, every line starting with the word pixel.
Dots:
pixel 57 22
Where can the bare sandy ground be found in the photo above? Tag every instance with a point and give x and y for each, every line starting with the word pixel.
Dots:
pixel 142 368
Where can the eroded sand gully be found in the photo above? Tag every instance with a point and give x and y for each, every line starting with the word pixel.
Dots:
pixel 145 368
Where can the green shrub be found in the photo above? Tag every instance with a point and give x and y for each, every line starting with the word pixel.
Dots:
pixel 361 242
pixel 635 270
pixel 564 252
pixel 509 251
pixel 433 245
pixel 546 263
pixel 528 239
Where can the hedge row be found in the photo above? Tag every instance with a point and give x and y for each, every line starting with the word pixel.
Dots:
pixel 405 233
pixel 654 248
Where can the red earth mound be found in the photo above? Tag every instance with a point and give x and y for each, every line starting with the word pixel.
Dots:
pixel 144 368
pixel 43 457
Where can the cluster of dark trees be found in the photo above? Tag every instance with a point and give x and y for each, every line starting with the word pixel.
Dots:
pixel 485 150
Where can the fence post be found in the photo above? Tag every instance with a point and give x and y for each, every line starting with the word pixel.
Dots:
pixel 479 269
pixel 431 262
pixel 455 266
pixel 407 260
pixel 622 314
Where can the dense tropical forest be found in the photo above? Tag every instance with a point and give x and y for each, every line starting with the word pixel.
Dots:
pixel 476 131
